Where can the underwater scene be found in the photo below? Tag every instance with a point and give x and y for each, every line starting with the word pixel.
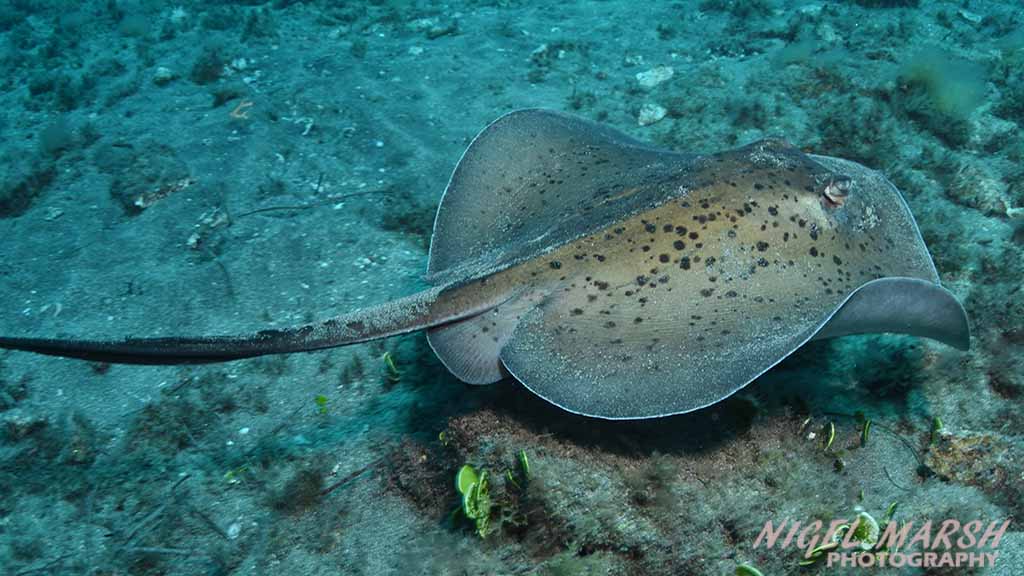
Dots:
pixel 509 287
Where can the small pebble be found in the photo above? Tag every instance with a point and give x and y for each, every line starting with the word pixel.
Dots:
pixel 655 76
pixel 651 113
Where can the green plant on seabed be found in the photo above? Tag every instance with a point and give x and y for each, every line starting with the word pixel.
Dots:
pixel 476 497
pixel 392 373
pixel 477 504
pixel 321 404
pixel 866 532
pixel 233 476
pixel 746 569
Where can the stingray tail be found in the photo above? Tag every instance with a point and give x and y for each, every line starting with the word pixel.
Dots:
pixel 408 314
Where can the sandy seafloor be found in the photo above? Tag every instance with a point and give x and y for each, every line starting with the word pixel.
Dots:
pixel 211 110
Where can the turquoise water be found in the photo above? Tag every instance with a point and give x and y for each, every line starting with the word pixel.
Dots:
pixel 200 168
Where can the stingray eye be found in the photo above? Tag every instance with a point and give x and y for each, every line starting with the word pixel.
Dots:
pixel 836 191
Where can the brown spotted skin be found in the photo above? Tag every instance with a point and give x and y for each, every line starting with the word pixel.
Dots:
pixel 678 306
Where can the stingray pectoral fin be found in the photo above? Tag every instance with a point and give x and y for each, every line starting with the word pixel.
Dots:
pixel 904 306
pixel 609 366
pixel 470 348
pixel 407 314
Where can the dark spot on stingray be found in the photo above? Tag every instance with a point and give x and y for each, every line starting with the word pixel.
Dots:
pixel 650 227
pixel 762 262
pixel 601 285
pixel 837 261
pixel 731 294
pixel 641 280
pixel 814 232
pixel 785 236
pixel 666 228
pixel 577 311
pixel 679 245
pixel 645 248
pixel 762 246
pixel 681 230
pixel 813 251
pixel 637 320
pixel 731 233
pixel 599 257
pixel 694 235
pixel 758 186
pixel 706 292
pixel 773 210
pixel 555 264
pixel 684 262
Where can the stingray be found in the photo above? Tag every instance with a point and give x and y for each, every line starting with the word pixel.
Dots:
pixel 620 280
